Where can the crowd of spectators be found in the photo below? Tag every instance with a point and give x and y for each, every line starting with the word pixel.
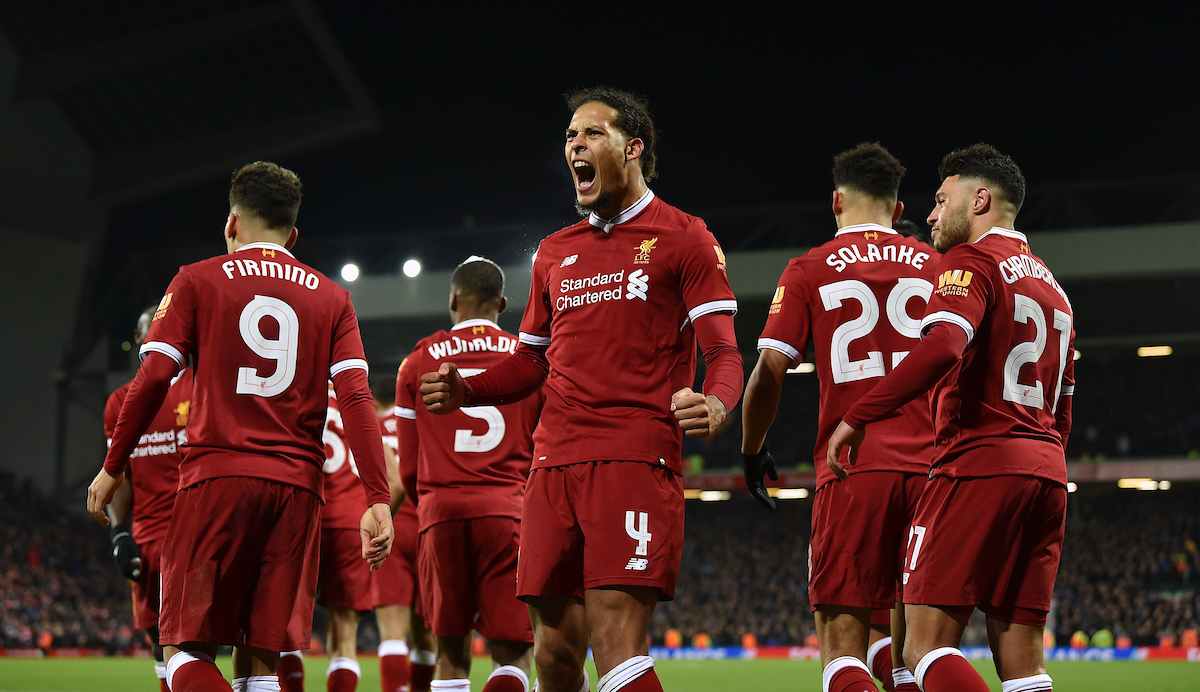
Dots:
pixel 57 578
pixel 1130 565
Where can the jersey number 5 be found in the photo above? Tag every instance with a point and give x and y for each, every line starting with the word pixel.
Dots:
pixel 467 441
pixel 281 349
pixel 832 296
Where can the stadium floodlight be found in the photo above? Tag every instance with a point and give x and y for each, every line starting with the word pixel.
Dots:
pixel 1154 351
pixel 802 369
pixel 1072 487
pixel 788 493
pixel 533 259
pixel 350 271
pixel 1134 482
pixel 412 268
pixel 1078 355
pixel 1164 485
pixel 714 495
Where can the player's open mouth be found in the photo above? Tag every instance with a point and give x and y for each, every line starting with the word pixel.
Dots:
pixel 585 175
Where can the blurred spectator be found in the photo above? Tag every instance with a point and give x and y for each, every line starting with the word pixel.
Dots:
pixel 57 579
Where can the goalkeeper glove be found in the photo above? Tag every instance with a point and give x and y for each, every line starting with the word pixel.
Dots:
pixel 126 553
pixel 756 466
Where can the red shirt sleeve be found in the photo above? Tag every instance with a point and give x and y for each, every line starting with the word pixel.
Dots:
pixel 535 323
pixel 927 363
pixel 788 323
pixel 173 330
pixel 407 390
pixel 702 282
pixel 723 374
pixel 512 379
pixel 964 290
pixel 348 370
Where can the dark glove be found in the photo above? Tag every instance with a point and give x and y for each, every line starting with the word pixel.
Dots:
pixel 755 467
pixel 126 553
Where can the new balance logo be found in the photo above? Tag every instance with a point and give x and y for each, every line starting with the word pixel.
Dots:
pixel 568 261
pixel 637 563
pixel 638 283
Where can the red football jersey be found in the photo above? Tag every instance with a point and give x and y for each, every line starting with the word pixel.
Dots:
pixel 388 425
pixel 858 296
pixel 266 334
pixel 614 303
pixel 995 410
pixel 154 464
pixel 473 462
pixel 345 499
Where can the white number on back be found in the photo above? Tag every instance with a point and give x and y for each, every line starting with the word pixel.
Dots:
pixel 467 441
pixel 282 350
pixel 338 454
pixel 832 296
pixel 1033 396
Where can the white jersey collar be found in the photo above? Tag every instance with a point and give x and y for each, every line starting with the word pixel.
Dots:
pixel 478 322
pixel 632 211
pixel 1006 232
pixel 864 228
pixel 266 245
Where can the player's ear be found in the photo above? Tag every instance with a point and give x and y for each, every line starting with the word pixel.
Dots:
pixel 503 304
pixel 634 148
pixel 983 201
pixel 231 225
pixel 453 302
pixel 898 211
pixel 292 238
pixel 838 200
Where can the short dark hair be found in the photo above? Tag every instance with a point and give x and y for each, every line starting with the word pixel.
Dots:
pixel 984 162
pixel 480 278
pixel 267 191
pixel 383 390
pixel 633 119
pixel 869 169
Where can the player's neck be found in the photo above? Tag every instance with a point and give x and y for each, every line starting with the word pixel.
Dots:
pixel 626 198
pixel 466 316
pixel 859 217
pixel 247 237
pixel 983 224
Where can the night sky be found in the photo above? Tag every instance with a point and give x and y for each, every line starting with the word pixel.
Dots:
pixel 751 109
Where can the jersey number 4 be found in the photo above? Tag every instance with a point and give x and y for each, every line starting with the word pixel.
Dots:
pixel 834 294
pixel 467 441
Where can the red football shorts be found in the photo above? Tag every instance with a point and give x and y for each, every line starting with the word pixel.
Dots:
pixel 859 526
pixel 469 567
pixel 240 565
pixel 992 542
pixel 146 603
pixel 345 575
pixel 395 582
pixel 600 523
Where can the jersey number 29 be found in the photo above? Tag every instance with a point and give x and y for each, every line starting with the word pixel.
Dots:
pixel 834 294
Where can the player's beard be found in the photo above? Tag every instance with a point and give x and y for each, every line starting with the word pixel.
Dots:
pixel 954 227
pixel 602 201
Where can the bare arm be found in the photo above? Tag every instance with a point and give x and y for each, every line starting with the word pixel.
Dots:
pixel 761 400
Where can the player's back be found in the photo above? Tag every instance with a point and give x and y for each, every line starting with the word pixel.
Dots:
pixel 154 464
pixel 862 294
pixel 267 333
pixel 473 462
pixel 995 411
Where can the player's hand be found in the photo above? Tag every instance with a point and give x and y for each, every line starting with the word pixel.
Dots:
pixel 844 436
pixel 757 466
pixel 443 391
pixel 126 553
pixel 377 533
pixel 698 415
pixel 100 494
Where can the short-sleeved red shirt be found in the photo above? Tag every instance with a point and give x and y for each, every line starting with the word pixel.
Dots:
pixel 995 410
pixel 614 303
pixel 345 499
pixel 473 462
pixel 860 297
pixel 154 464
pixel 265 334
